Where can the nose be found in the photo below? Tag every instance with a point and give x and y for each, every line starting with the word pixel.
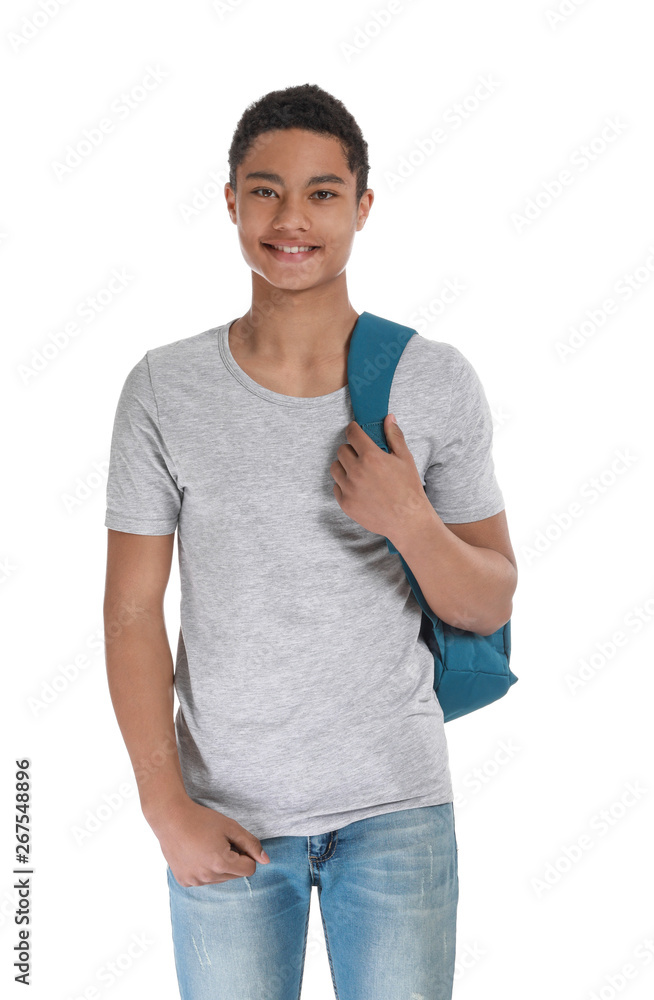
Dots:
pixel 291 214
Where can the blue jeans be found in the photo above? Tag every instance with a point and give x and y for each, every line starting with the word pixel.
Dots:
pixel 388 890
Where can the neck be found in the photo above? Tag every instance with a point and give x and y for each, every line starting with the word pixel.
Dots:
pixel 296 329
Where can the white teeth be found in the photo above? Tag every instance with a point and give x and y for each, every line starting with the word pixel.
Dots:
pixel 292 249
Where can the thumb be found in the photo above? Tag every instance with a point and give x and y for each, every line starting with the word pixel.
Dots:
pixel 393 433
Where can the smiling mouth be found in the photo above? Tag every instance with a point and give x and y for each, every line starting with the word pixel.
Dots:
pixel 301 251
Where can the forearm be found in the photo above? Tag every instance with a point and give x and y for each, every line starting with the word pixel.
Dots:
pixel 140 676
pixel 465 585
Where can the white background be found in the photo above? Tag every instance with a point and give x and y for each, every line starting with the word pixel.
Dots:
pixel 531 923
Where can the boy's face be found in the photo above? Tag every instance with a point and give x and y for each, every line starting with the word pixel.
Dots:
pixel 275 203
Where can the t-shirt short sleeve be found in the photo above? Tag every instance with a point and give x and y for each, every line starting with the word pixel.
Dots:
pixel 460 482
pixel 142 493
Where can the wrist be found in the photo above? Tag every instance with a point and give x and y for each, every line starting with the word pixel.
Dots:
pixel 159 811
pixel 417 521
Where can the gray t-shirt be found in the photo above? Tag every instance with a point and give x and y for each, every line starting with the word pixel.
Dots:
pixel 306 697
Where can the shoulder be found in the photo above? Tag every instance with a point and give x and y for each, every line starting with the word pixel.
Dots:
pixel 433 363
pixel 182 353
pixel 424 350
pixel 436 382
pixel 182 369
pixel 173 371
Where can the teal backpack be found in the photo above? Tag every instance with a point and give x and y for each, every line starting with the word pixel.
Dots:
pixel 470 670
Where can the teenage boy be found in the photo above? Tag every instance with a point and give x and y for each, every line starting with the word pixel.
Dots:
pixel 308 748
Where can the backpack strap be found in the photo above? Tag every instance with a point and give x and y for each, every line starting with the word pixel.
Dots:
pixel 376 346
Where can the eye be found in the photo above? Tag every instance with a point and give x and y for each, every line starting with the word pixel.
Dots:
pixel 330 194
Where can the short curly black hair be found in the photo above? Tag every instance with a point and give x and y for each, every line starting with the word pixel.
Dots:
pixel 306 106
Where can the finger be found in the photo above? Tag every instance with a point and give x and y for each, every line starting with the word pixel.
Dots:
pixel 245 844
pixel 237 865
pixel 338 472
pixel 357 438
pixel 346 455
pixel 360 439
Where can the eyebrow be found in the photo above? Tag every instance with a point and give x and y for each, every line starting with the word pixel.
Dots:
pixel 265 175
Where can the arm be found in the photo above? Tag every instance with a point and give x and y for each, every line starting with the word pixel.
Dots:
pixel 140 665
pixel 467 572
pixel 200 844
pixel 462 558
